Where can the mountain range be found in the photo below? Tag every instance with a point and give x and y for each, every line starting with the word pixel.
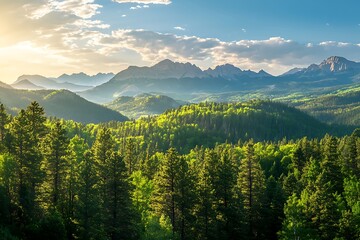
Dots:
pixel 138 91
pixel 74 82
pixel 188 82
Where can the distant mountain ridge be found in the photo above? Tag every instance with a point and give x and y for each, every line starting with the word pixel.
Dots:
pixel 75 82
pixel 84 79
pixel 172 79
pixel 169 69
pixel 161 70
pixel 333 64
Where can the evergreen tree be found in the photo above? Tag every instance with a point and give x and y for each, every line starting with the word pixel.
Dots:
pixel 330 165
pixel 129 156
pixel 56 167
pixel 251 183
pixel 117 216
pixel 164 200
pixel 88 204
pixel 228 206
pixel 349 157
pixel 75 155
pixel 273 208
pixel 204 209
pixel 184 198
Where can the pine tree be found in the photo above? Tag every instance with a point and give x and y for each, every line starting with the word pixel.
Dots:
pixel 88 205
pixel 330 165
pixel 228 205
pixel 164 202
pixel 117 217
pixel 298 160
pixel 56 166
pixel 273 208
pixel 120 218
pixel 251 183
pixel 204 209
pixel 75 155
pixel 184 198
pixel 129 156
pixel 349 157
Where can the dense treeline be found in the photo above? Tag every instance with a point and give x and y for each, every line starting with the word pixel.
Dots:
pixel 341 107
pixel 62 180
pixel 205 124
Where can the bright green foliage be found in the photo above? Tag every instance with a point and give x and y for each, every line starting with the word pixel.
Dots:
pixel 296 224
pixel 351 217
pixel 141 196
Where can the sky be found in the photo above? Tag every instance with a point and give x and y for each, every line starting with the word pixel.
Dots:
pixel 52 37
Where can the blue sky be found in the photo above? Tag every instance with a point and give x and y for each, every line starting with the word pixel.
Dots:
pixel 51 37
pixel 304 21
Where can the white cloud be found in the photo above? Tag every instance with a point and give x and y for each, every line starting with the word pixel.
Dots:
pixel 179 28
pixel 80 8
pixel 275 54
pixel 244 30
pixel 124 15
pixel 166 2
pixel 139 7
pixel 51 37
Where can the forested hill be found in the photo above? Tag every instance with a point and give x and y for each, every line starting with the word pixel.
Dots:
pixel 143 105
pixel 341 107
pixel 208 123
pixel 60 104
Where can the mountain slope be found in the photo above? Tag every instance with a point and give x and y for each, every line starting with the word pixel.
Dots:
pixel 209 123
pixel 341 107
pixel 143 105
pixel 60 104
pixel 26 84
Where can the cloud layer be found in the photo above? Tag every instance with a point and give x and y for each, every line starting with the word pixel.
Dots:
pixel 52 37
pixel 166 2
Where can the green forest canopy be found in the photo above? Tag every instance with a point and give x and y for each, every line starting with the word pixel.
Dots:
pixel 209 171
